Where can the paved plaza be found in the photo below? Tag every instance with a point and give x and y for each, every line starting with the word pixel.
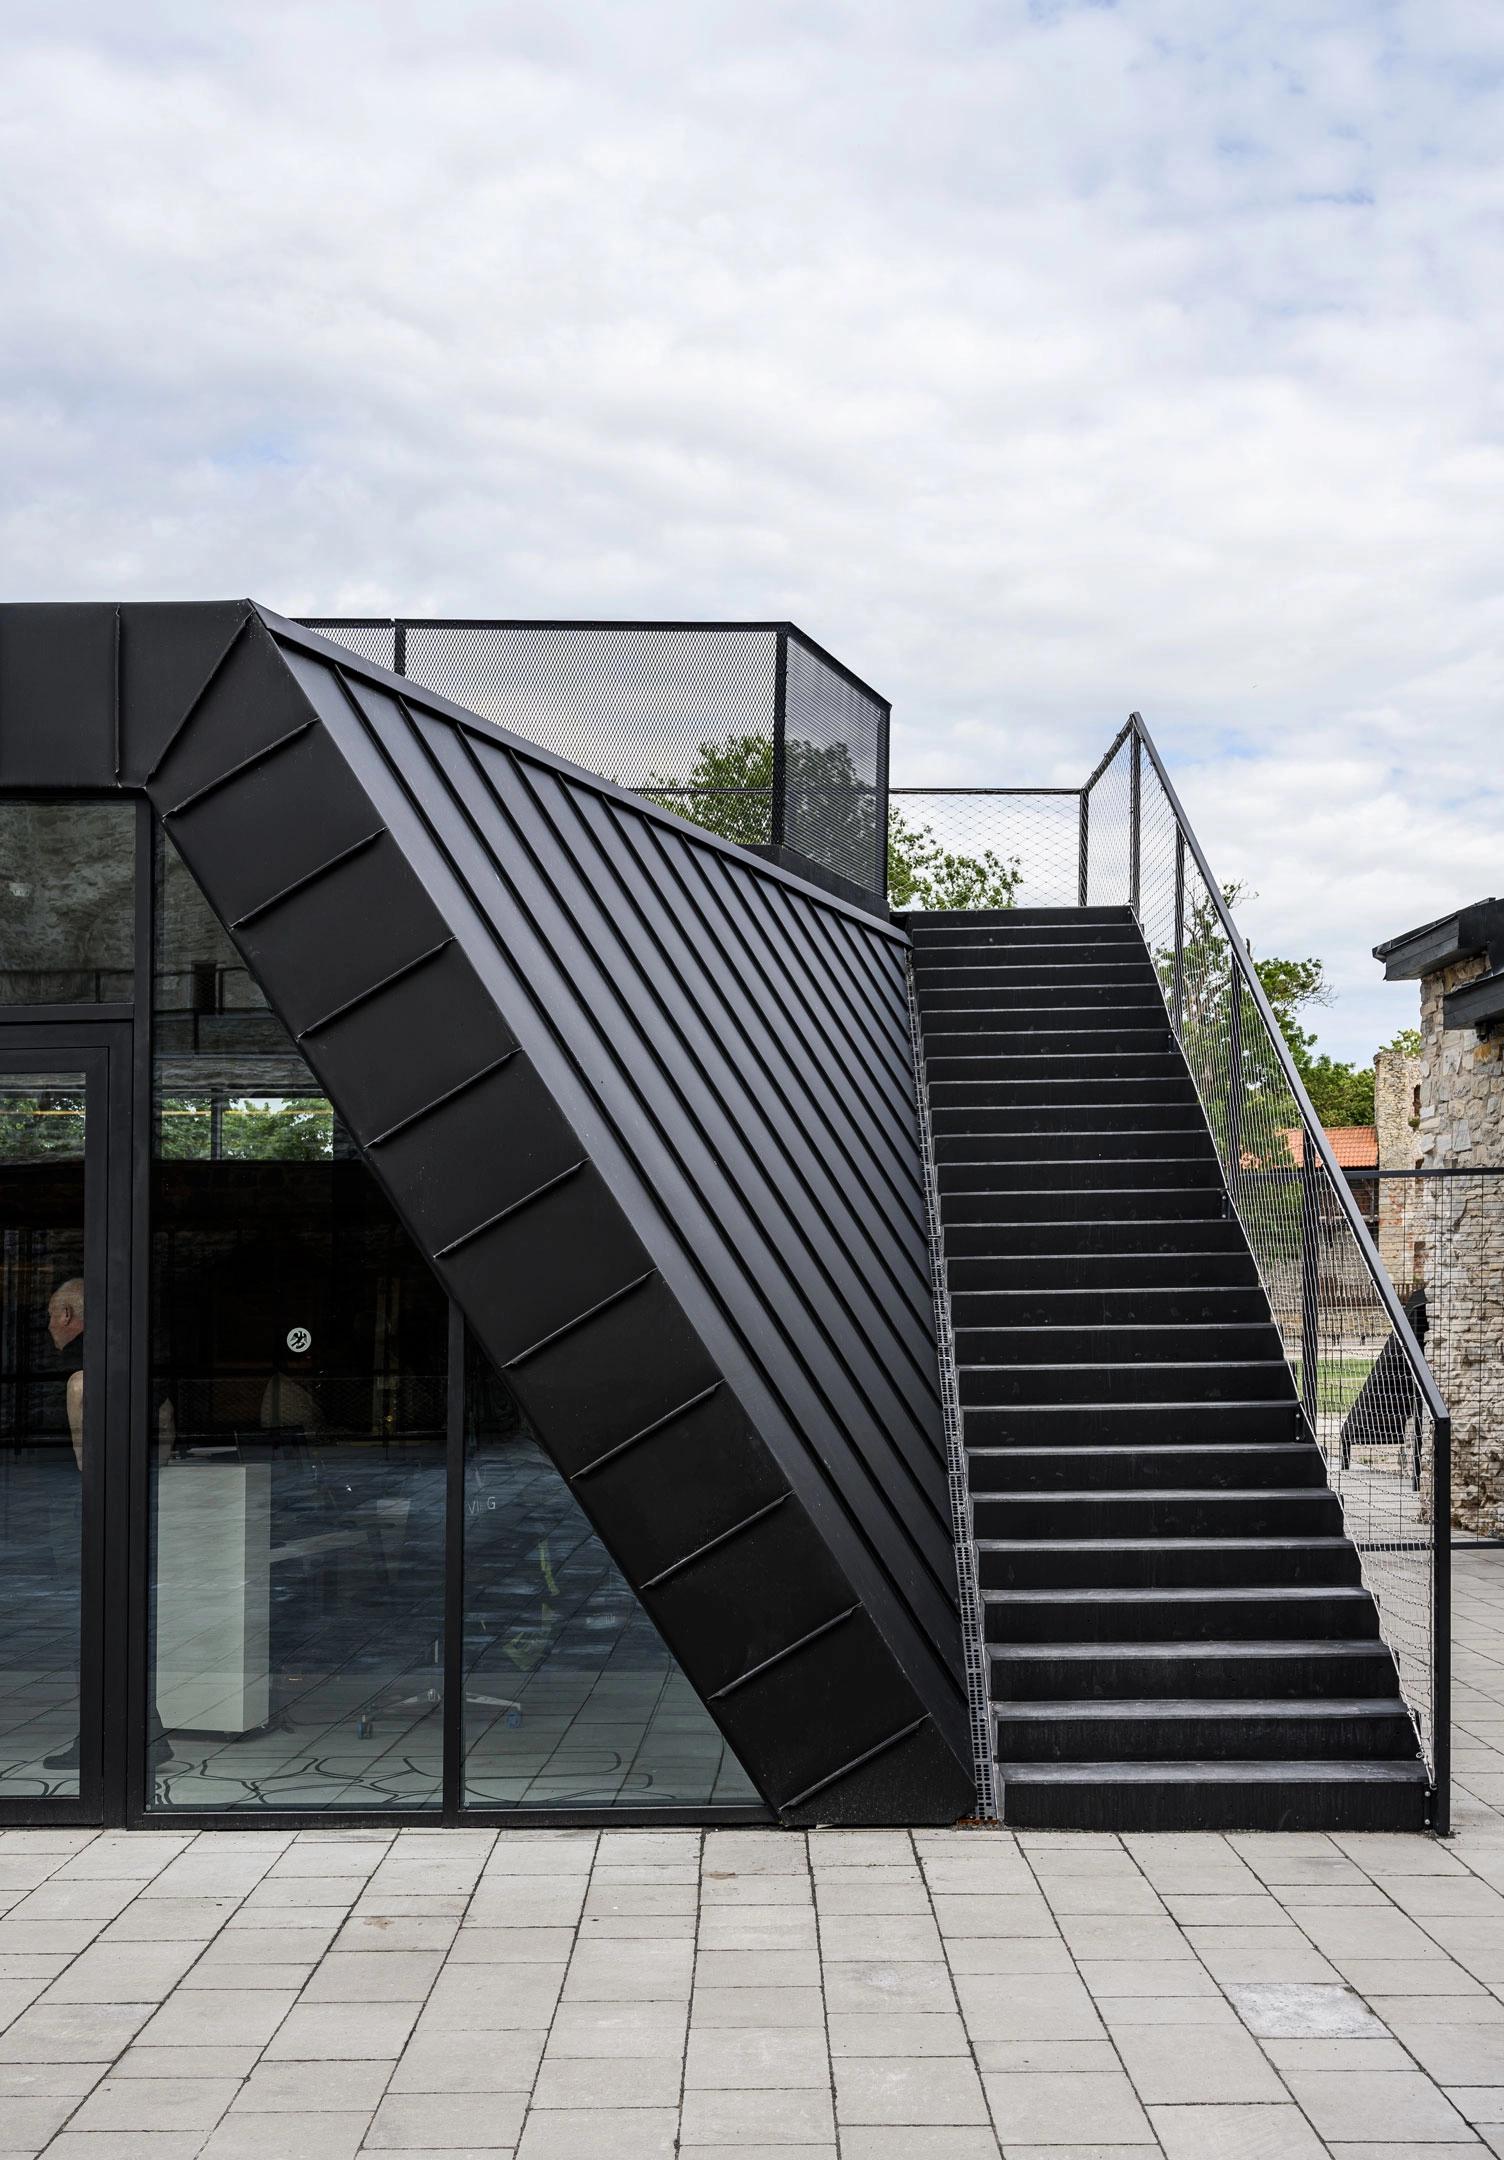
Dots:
pixel 872 1995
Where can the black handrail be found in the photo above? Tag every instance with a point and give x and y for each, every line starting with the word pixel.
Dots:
pixel 1316 1133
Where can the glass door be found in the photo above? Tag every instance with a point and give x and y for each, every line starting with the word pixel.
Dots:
pixel 60 1391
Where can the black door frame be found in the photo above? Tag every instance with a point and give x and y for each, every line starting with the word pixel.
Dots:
pixel 32 1038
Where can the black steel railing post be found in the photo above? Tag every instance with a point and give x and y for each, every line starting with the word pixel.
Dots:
pixel 399 648
pixel 778 819
pixel 1135 818
pixel 1441 1623
pixel 1177 980
pixel 1234 1076
pixel 1083 843
pixel 1310 1283
pixel 885 726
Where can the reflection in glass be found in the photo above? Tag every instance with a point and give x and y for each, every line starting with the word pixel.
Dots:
pixel 67 902
pixel 42 1309
pixel 572 1698
pixel 299 1407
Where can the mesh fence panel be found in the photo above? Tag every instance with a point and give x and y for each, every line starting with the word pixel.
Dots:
pixel 1358 1388
pixel 1109 824
pixel 835 753
pixel 985 847
pixel 373 641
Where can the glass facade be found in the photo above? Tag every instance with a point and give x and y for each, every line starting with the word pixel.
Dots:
pixel 366 1587
pixel 299 1438
pixel 43 1301
pixel 572 1698
pixel 299 1352
pixel 67 902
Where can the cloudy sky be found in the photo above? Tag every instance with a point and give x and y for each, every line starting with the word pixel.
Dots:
pixel 1042 359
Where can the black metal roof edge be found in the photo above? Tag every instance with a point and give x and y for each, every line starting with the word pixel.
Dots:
pixel 288 632
pixel 1457 935
pixel 1476 1004
pixel 593 622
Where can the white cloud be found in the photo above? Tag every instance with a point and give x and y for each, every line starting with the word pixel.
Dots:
pixel 1043 360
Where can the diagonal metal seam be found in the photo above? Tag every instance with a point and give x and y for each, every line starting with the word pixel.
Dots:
pixel 857 1762
pixel 299 884
pixel 388 981
pixel 670 1417
pixel 235 772
pixel 198 697
pixel 722 1537
pixel 450 1094
pixel 801 1642
pixel 958 1473
pixel 591 1312
pixel 513 1207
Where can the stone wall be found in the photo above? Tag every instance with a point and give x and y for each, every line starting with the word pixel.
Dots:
pixel 1456 1233
pixel 1397 1090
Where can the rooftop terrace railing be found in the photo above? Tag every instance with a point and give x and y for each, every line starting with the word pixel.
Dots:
pixel 750 729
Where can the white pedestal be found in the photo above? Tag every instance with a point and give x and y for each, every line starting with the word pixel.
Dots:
pixel 213 1568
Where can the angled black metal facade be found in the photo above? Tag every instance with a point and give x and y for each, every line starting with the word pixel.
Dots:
pixel 645 1103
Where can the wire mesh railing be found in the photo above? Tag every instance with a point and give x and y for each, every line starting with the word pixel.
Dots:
pixel 751 730
pixel 1367 1396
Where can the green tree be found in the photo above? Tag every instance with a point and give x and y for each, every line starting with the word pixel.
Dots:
pixel 924 874
pixel 265 1128
pixel 729 791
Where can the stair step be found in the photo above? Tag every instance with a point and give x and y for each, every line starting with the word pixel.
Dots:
pixel 1169 1511
pixel 1119 1796
pixel 1157 1304
pixel 1111 912
pixel 1165 1563
pixel 961 1007
pixel 983 1169
pixel 1121 969
pixel 985 1141
pixel 1108 1273
pixel 1096 1094
pixel 1184 1728
pixel 1179 1615
pixel 1103 1205
pixel 1146 1426
pixel 1183 1381
pixel 1035 1121
pixel 1274 1671
pixel 1253 1466
pixel 1048 1070
pixel 1024 1035
pixel 1148 1342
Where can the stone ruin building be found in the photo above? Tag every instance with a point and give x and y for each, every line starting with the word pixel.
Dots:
pixel 1444 1111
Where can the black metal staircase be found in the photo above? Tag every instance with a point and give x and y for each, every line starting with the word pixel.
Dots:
pixel 1178 1634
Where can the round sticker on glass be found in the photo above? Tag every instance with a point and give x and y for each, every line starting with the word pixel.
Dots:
pixel 299 1340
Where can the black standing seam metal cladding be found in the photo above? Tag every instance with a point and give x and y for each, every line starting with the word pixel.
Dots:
pixel 700 1254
